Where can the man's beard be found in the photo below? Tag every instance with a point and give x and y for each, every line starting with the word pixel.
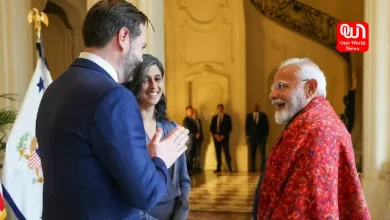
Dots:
pixel 130 62
pixel 293 107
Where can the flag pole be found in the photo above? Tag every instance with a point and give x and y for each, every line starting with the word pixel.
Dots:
pixel 22 175
pixel 37 17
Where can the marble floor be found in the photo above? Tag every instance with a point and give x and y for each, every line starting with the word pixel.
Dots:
pixel 222 196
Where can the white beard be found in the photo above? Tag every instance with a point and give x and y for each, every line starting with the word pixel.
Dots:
pixel 295 105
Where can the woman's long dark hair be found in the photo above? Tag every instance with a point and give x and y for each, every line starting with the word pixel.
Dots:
pixel 139 76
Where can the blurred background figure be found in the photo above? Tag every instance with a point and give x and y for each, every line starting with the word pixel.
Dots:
pixel 257 130
pixel 221 126
pixel 199 139
pixel 190 124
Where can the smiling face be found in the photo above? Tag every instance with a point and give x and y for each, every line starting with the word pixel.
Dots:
pixel 287 94
pixel 151 89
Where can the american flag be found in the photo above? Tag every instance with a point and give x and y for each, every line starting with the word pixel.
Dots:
pixel 35 160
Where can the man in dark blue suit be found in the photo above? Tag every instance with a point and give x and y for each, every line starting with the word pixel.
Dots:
pixel 95 159
pixel 190 124
pixel 257 130
pixel 220 128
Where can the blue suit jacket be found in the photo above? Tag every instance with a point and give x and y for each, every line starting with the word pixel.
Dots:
pixel 93 149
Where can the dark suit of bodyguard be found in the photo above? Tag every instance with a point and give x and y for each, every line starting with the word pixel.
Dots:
pixel 220 128
pixel 257 131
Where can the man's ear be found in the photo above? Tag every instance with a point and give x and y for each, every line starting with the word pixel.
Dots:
pixel 311 88
pixel 123 38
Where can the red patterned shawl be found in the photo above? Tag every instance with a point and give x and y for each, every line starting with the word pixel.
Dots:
pixel 311 171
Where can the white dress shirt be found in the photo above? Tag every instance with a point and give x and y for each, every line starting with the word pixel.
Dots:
pixel 101 62
pixel 220 118
pixel 256 117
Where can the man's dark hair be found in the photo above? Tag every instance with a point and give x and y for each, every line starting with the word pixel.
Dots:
pixel 139 76
pixel 189 107
pixel 107 17
pixel 220 105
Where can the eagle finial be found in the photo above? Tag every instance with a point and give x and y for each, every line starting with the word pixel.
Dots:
pixel 37 17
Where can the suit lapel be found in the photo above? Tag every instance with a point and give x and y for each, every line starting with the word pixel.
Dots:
pixel 253 118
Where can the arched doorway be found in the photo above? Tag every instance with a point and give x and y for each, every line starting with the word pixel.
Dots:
pixel 62 38
pixel 57 39
pixel 205 66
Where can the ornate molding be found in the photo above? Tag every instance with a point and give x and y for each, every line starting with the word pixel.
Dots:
pixel 220 38
pixel 214 9
pixel 304 19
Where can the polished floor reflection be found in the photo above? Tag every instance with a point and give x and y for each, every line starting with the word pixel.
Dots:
pixel 222 196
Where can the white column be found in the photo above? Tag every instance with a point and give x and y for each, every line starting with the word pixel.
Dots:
pixel 376 105
pixel 155 13
pixel 16 54
pixel 16 48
